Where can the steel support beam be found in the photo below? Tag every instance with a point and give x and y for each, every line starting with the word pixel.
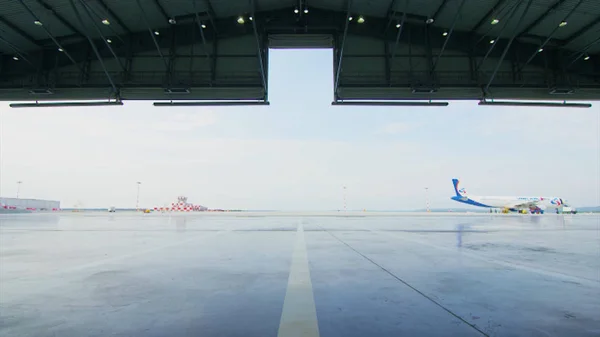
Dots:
pixel 152 33
pixel 162 10
pixel 60 47
pixel 92 44
pixel 549 35
pixel 581 31
pixel 440 9
pixel 211 14
pixel 115 16
pixel 512 13
pixel 437 59
pixel 19 31
pixel 58 16
pixel 341 51
pixel 204 44
pixel 543 16
pixel 487 15
pixel 263 74
pixel 487 87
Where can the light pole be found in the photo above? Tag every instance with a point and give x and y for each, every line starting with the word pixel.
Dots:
pixel 18 188
pixel 344 198
pixel 137 200
pixel 427 198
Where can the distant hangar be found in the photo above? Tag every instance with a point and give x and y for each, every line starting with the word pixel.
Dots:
pixel 217 50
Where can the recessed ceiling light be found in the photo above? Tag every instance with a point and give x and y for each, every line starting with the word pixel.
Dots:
pixel 172 21
pixel 109 40
pixel 106 22
pixel 350 18
pixel 15 58
pixel 540 50
pixel 492 41
pixel 398 25
pixel 156 32
pixel 203 26
pixel 305 10
pixel 240 20
pixel 495 21
pixel 587 57
pixel 38 23
pixel 296 10
pixel 250 18
pixel 562 23
pixel 445 34
pixel 429 21
pixel 60 50
pixel 360 19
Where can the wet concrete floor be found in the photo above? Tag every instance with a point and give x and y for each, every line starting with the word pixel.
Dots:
pixel 86 274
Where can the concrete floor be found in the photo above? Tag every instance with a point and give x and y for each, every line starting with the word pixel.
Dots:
pixel 84 274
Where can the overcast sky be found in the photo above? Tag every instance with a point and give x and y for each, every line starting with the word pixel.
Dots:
pixel 298 153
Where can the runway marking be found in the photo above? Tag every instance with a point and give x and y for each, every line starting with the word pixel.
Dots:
pixel 299 314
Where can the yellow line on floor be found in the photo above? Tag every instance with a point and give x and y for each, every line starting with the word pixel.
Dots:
pixel 299 315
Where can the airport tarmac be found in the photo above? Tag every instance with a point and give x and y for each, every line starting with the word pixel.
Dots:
pixel 299 274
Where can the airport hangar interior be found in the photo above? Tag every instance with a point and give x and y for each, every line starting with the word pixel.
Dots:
pixel 215 52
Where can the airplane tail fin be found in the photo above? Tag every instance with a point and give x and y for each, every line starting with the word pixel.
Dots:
pixel 460 192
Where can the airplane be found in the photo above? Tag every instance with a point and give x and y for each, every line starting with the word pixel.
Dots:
pixel 508 203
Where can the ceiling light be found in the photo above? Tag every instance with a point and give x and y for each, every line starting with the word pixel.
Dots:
pixel 203 26
pixel 562 23
pixel 172 21
pixel 540 50
pixel 15 58
pixel 398 25
pixel 106 22
pixel 250 18
pixel 587 57
pixel 429 21
pixel 60 50
pixel 305 10
pixel 360 19
pixel 495 21
pixel 492 41
pixel 350 18
pixel 109 40
pixel 296 10
pixel 240 20
pixel 156 32
pixel 37 22
pixel 445 34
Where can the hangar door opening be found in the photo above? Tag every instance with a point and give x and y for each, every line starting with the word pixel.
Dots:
pixel 301 69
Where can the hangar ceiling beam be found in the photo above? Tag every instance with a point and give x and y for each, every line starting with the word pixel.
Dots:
pixel 263 75
pixel 581 53
pixel 115 16
pixel 58 16
pixel 440 9
pixel 489 51
pixel 487 15
pixel 60 47
pixel 88 10
pixel 544 15
pixel 204 44
pixel 341 50
pixel 487 87
pixel 19 31
pixel 541 47
pixel 580 32
pixel 93 45
pixel 211 13
pixel 435 63
pixel 162 10
pixel 18 52
pixel 152 33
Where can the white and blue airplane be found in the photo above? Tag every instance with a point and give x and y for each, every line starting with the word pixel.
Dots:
pixel 515 204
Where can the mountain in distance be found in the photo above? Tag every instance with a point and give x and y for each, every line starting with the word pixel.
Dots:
pixel 593 209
